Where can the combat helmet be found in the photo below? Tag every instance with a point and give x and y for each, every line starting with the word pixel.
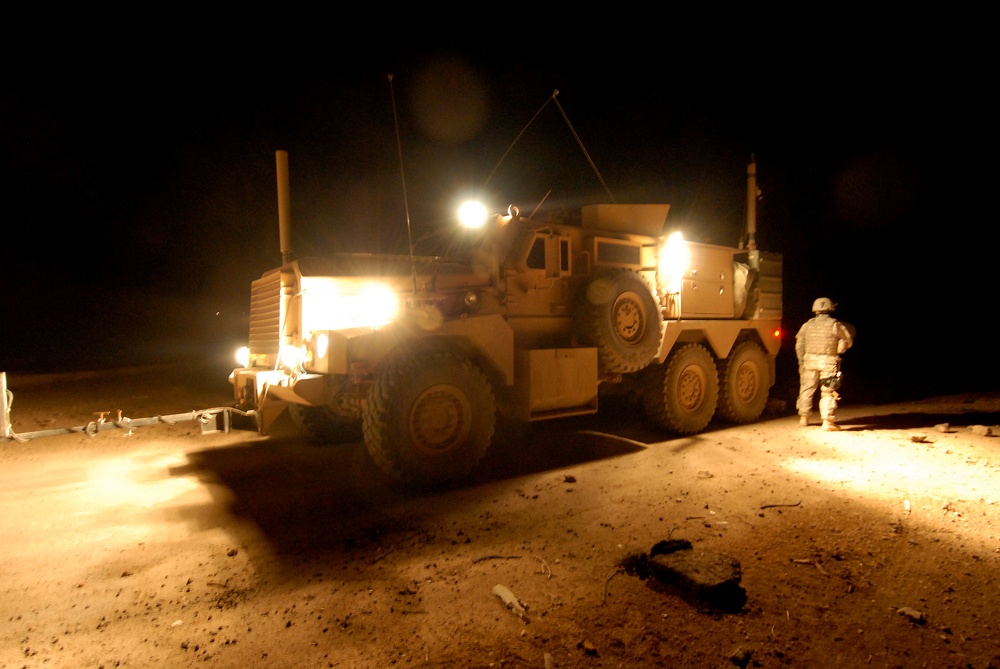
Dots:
pixel 823 305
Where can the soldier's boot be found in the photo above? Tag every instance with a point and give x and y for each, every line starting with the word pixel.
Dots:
pixel 830 426
pixel 803 421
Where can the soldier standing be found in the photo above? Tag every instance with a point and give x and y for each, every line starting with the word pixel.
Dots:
pixel 818 346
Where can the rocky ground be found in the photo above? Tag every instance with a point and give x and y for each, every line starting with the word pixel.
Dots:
pixel 161 546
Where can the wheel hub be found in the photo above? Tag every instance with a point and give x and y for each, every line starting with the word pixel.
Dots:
pixel 746 382
pixel 439 420
pixel 629 318
pixel 691 388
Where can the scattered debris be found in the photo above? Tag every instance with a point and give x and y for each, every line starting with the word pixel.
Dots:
pixel 545 567
pixel 707 579
pixel 642 573
pixel 741 657
pixel 920 439
pixel 511 601
pixel 913 614
pixel 772 506
pixel 819 565
pixel 702 577
pixel 496 557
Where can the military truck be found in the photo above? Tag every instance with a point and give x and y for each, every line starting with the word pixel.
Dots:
pixel 526 318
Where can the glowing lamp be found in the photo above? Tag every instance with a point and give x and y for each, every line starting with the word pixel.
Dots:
pixel 472 214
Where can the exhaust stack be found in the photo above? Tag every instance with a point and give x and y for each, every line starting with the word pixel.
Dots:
pixel 5 428
pixel 284 207
pixel 752 193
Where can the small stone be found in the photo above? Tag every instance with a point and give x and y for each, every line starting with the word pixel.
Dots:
pixel 912 614
pixel 741 657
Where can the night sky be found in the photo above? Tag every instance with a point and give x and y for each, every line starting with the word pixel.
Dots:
pixel 138 209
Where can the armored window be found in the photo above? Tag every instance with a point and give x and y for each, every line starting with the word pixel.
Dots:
pixel 536 257
pixel 619 253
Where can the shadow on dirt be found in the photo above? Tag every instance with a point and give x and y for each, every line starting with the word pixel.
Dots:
pixel 307 498
pixel 921 420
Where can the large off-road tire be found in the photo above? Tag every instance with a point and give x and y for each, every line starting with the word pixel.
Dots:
pixel 744 383
pixel 429 418
pixel 618 314
pixel 324 425
pixel 680 395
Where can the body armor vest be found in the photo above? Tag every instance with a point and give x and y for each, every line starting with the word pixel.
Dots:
pixel 821 335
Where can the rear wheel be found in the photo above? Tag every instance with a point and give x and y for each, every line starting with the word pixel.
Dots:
pixel 429 418
pixel 681 395
pixel 745 380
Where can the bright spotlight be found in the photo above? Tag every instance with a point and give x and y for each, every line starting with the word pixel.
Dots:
pixel 472 214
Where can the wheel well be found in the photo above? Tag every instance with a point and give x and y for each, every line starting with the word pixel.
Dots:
pixel 456 345
pixel 701 337
pixel 748 335
pixel 753 336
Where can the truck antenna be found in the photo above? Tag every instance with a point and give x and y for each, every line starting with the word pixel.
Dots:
pixel 402 175
pixel 582 147
pixel 516 140
pixel 552 98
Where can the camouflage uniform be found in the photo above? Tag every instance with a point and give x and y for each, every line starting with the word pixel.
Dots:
pixel 818 346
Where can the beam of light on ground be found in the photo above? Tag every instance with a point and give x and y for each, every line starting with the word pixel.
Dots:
pixel 907 476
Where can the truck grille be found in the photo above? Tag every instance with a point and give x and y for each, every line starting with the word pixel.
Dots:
pixel 265 314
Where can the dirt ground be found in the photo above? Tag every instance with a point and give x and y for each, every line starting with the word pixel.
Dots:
pixel 160 546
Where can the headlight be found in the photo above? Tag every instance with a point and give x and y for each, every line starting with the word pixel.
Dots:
pixel 292 357
pixel 377 305
pixel 330 304
pixel 243 356
pixel 322 345
pixel 326 352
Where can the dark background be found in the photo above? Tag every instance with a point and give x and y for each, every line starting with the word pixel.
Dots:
pixel 140 197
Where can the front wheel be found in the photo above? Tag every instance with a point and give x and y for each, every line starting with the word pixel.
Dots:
pixel 681 395
pixel 745 381
pixel 429 418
